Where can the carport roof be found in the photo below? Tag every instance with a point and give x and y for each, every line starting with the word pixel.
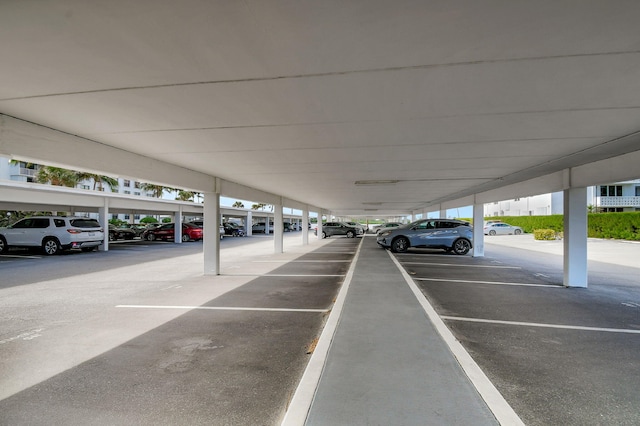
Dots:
pixel 359 107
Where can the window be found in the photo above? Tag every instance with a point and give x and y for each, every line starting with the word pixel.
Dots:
pixel 612 191
pixel 137 185
pixel 127 192
pixel 59 223
pixel 429 224
pixel 637 191
pixel 40 223
pixel 127 183
pixel 85 223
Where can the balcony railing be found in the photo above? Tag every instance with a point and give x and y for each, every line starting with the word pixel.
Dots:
pixel 618 201
pixel 23 171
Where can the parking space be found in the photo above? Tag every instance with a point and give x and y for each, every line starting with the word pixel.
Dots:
pixel 203 350
pixel 557 355
pixel 138 335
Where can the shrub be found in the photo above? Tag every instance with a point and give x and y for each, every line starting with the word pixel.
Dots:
pixel 544 234
pixel 620 225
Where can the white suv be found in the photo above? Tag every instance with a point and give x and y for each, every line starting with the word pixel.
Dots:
pixel 53 234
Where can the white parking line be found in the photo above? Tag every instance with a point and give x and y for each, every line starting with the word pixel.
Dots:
pixel 281 275
pixel 542 325
pixel 16 256
pixel 461 265
pixel 493 398
pixel 222 308
pixel 302 261
pixel 489 282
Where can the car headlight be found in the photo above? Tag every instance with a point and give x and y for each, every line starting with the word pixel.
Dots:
pixel 385 234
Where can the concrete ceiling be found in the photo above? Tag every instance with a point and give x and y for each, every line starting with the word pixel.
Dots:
pixel 437 99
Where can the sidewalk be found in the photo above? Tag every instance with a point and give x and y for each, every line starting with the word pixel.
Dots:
pixel 387 364
pixel 617 252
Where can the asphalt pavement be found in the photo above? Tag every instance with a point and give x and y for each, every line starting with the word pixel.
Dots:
pixel 138 335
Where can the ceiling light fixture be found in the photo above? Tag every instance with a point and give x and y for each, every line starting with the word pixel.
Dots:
pixel 376 182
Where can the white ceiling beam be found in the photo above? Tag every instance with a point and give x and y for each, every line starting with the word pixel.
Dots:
pixel 31 142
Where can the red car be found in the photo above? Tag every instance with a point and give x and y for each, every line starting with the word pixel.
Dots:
pixel 190 232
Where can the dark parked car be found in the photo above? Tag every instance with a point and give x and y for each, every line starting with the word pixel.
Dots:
pixel 448 234
pixel 116 233
pixel 166 231
pixel 339 228
pixel 138 228
pixel 233 229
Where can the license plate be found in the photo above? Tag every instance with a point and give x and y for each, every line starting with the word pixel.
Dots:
pixel 92 234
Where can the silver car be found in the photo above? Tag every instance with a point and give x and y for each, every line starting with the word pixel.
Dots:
pixel 501 228
pixel 387 226
pixel 448 234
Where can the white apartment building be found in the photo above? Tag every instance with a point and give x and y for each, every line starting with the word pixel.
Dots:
pixel 26 172
pixel 614 197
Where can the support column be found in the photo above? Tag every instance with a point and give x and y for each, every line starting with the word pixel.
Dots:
pixel 211 241
pixel 248 225
pixel 305 227
pixel 278 228
pixel 575 237
pixel 177 232
pixel 319 228
pixel 478 230
pixel 103 218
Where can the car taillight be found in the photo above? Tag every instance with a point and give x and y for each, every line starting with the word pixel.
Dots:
pixel 74 231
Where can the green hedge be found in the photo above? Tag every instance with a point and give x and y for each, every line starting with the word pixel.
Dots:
pixel 620 226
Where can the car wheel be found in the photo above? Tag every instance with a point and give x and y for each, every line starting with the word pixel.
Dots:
pixel 517 232
pixel 3 246
pixel 185 238
pixel 492 232
pixel 461 246
pixel 400 245
pixel 151 237
pixel 351 234
pixel 324 234
pixel 51 246
pixel 111 236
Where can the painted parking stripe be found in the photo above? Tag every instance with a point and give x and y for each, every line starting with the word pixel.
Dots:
pixel 222 308
pixel 301 261
pixel 461 265
pixel 493 398
pixel 489 282
pixel 17 256
pixel 542 325
pixel 282 275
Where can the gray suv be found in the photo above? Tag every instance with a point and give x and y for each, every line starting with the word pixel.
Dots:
pixel 53 234
pixel 448 234
pixel 339 228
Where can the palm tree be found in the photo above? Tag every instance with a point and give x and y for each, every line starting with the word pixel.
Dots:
pixel 57 176
pixel 185 195
pixel 238 204
pixel 99 180
pixel 258 206
pixel 156 190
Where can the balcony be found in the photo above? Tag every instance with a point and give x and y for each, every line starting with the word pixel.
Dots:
pixel 618 201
